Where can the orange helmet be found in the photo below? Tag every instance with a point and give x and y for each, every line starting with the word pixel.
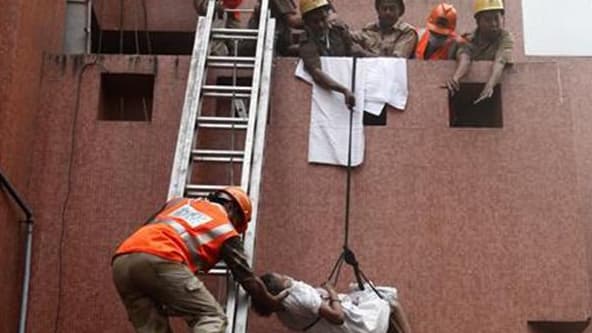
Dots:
pixel 240 198
pixel 442 19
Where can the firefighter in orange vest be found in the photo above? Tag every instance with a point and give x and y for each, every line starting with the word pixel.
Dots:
pixel 154 269
pixel 439 40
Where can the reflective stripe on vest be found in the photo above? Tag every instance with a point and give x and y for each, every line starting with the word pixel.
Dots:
pixel 193 243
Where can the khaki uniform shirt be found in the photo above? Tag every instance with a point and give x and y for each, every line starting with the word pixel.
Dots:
pixel 400 42
pixel 480 49
pixel 337 43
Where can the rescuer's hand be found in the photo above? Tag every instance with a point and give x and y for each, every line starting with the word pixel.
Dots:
pixel 276 304
pixel 453 85
pixel 350 99
pixel 485 94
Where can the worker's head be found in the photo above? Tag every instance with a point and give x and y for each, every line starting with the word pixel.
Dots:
pixel 389 11
pixel 442 19
pixel 237 205
pixel 489 15
pixel 274 283
pixel 315 14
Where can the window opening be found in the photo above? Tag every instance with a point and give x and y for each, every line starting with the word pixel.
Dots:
pixel 465 113
pixel 126 97
pixel 372 120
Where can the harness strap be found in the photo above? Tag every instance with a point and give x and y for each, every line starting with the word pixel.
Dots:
pixel 309 326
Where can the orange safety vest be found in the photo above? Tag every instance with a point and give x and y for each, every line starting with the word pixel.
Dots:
pixel 440 54
pixel 191 231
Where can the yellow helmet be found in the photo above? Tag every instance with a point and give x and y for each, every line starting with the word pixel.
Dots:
pixel 309 5
pixel 486 5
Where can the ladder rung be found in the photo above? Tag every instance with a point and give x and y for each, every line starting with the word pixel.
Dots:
pixel 211 152
pixel 218 159
pixel 226 88
pixel 200 187
pixel 232 37
pixel 215 152
pixel 223 126
pixel 230 65
pixel 231 59
pixel 226 95
pixel 218 271
pixel 193 190
pixel 236 31
pixel 221 156
pixel 222 120
pixel 239 10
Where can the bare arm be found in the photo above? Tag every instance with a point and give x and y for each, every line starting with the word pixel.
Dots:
pixel 234 256
pixel 494 79
pixel 332 311
pixel 312 63
pixel 325 81
pixel 256 289
pixel 398 318
pixel 462 68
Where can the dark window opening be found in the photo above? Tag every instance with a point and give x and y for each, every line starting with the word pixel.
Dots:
pixel 140 41
pixel 126 97
pixel 465 113
pixel 558 326
pixel 372 120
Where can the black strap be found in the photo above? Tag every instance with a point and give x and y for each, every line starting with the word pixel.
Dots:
pixel 309 326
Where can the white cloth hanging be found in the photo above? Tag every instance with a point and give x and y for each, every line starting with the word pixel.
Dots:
pixel 379 81
pixel 384 81
pixel 329 118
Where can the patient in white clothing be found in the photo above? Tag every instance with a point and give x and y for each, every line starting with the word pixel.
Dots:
pixel 323 310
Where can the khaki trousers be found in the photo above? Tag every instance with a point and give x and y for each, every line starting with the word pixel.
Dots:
pixel 153 288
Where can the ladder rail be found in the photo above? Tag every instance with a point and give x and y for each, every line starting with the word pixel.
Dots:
pixel 187 151
pixel 254 102
pixel 236 296
pixel 191 106
pixel 242 310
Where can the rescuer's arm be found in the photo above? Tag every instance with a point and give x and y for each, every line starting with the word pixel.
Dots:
pixel 234 255
pixel 462 68
pixel 312 63
pixel 494 79
pixel 503 58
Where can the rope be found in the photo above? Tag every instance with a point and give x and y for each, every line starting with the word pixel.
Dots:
pixel 347 255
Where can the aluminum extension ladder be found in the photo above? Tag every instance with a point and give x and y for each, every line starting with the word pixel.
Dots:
pixel 190 151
